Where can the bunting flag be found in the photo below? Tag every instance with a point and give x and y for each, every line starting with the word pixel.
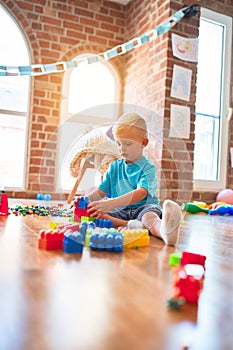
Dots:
pixel 41 69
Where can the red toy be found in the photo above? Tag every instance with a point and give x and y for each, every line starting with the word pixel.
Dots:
pixel 188 282
pixel 188 278
pixel 81 209
pixel 192 258
pixel 51 240
pixel 3 204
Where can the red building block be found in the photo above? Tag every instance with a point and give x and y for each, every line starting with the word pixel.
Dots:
pixel 188 282
pixel 51 240
pixel 192 258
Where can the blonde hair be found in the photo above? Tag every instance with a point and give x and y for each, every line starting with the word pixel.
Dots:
pixel 130 126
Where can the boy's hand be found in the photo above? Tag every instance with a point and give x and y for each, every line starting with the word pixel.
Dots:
pixel 98 208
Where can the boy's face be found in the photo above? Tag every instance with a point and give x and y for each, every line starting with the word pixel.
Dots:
pixel 130 150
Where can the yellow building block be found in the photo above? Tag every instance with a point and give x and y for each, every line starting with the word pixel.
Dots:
pixel 134 238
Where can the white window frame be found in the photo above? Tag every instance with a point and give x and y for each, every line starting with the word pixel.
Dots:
pixel 208 185
pixel 19 113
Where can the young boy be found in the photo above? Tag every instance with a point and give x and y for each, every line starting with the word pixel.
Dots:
pixel 131 183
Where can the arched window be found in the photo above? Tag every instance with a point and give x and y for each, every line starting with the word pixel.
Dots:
pixel 90 99
pixel 14 97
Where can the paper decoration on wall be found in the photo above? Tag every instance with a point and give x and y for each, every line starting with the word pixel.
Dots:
pixel 179 121
pixel 181 83
pixel 56 67
pixel 185 48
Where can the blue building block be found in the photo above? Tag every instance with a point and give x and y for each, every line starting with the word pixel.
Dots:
pixel 73 242
pixel 109 240
pixel 83 202
pixel 104 223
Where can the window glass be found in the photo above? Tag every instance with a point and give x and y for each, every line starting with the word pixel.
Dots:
pixel 14 93
pixel 90 93
pixel 212 100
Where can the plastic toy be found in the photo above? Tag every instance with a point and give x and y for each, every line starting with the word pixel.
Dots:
pixel 175 259
pixel 226 196
pixel 226 209
pixel 51 240
pixel 194 208
pixel 192 258
pixel 134 238
pixel 188 282
pixel 40 196
pixel 47 197
pixel 103 223
pixel 73 241
pixel 188 278
pixel 80 209
pixel 109 240
pixel 3 204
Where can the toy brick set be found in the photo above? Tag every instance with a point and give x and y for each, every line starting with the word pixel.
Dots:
pixel 97 234
pixel 188 271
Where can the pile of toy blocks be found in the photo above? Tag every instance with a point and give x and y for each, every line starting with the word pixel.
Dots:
pixel 188 271
pixel 98 234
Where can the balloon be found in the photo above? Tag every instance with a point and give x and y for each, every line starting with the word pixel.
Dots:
pixel 226 196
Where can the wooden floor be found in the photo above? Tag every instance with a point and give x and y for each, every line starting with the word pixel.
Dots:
pixel 112 301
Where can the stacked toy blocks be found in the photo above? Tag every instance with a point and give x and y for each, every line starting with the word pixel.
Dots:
pixel 188 277
pixel 81 211
pixel 135 238
pixel 70 238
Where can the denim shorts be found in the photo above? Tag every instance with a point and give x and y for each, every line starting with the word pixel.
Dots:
pixel 135 213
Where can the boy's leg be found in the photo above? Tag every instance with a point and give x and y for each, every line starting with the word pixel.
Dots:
pixel 168 227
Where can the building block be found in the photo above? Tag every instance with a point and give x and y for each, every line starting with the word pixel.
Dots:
pixel 80 208
pixel 59 221
pixel 89 230
pixel 82 202
pixel 50 240
pixel 175 259
pixel 103 223
pixel 188 282
pixel 192 258
pixel 188 278
pixel 134 238
pixel 73 242
pixel 106 239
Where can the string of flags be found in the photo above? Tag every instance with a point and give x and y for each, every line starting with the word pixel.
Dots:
pixel 42 69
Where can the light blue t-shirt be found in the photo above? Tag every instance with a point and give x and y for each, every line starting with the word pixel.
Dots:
pixel 122 178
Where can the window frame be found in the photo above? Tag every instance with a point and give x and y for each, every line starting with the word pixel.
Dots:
pixel 216 185
pixel 24 114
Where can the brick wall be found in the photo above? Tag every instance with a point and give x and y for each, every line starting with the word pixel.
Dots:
pixel 57 31
pixel 148 81
pixel 61 30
